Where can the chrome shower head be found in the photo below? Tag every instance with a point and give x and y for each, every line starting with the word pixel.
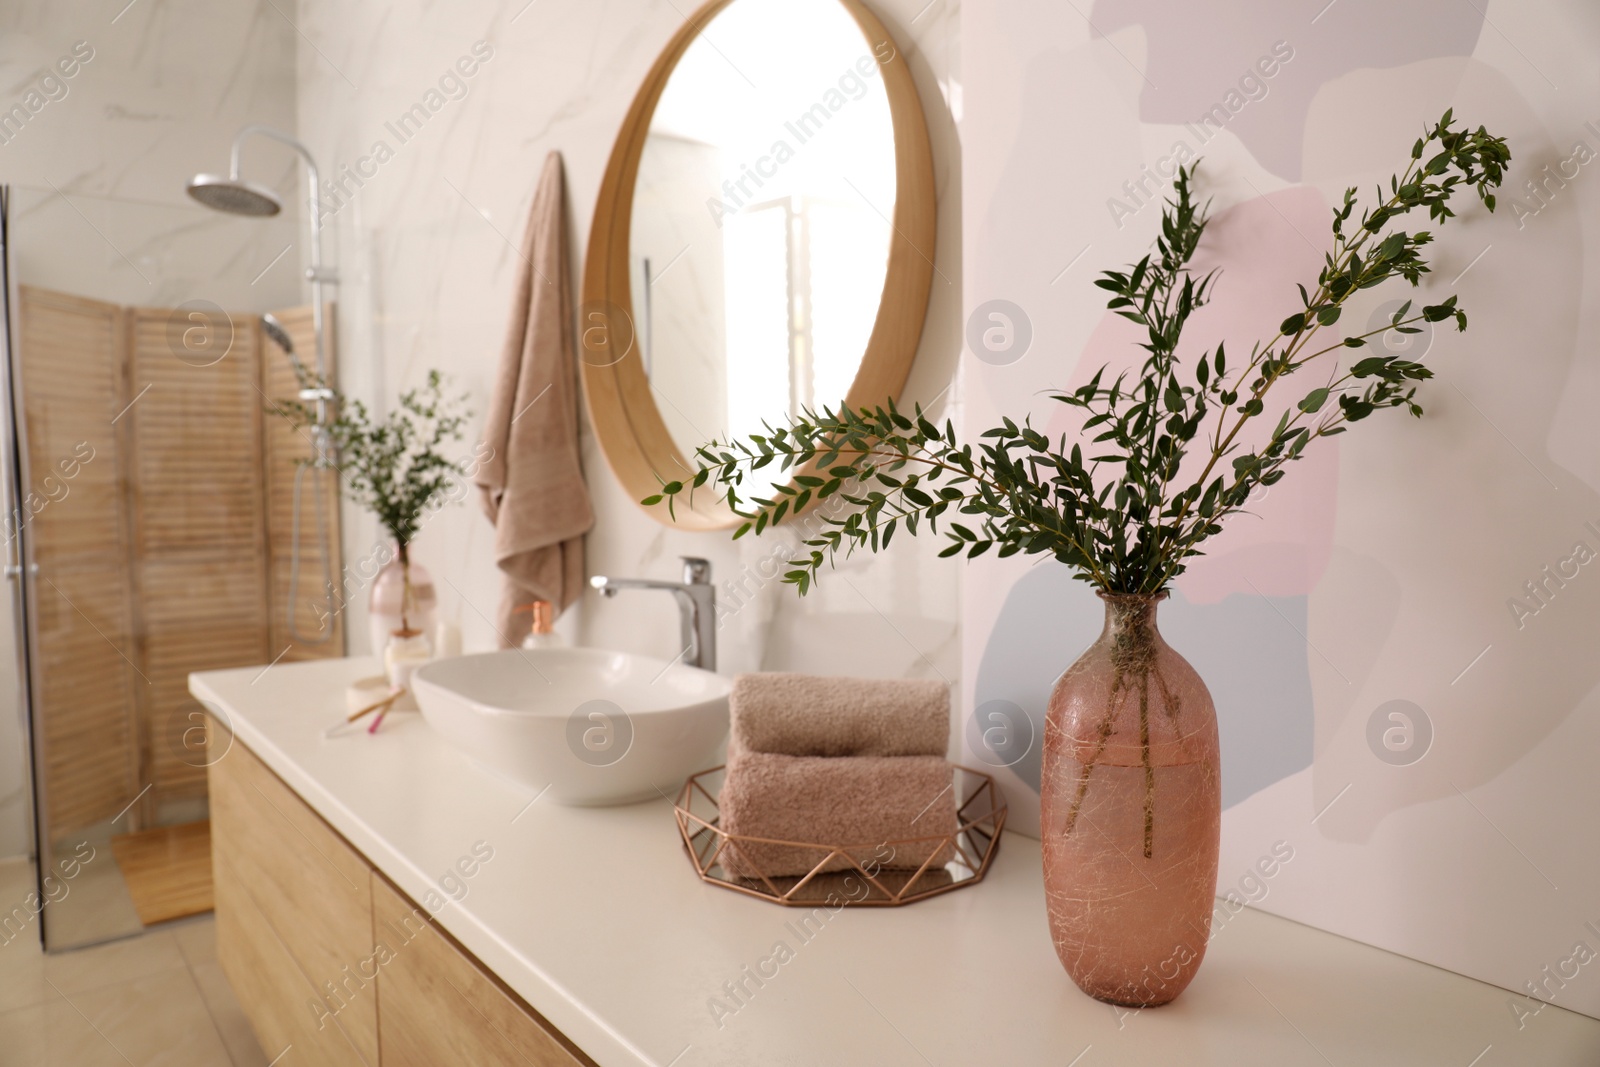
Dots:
pixel 234 195
pixel 276 331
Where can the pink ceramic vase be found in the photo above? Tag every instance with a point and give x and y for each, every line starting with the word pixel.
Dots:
pixel 1132 809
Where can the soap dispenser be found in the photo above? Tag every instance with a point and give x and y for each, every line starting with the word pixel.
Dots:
pixel 542 633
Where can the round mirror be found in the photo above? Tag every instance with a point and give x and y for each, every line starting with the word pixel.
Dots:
pixel 763 242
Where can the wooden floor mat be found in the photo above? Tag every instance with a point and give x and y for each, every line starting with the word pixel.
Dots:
pixel 167 869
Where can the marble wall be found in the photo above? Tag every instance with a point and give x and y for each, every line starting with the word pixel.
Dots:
pixel 1400 636
pixel 426 245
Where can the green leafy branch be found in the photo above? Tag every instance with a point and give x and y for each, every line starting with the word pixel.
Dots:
pixel 393 466
pixel 1126 517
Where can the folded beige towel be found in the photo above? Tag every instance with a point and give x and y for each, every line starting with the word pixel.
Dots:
pixel 865 802
pixel 804 715
pixel 533 488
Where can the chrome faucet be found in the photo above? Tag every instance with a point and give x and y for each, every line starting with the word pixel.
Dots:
pixel 697 607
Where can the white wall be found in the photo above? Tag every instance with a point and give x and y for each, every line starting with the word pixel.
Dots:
pixel 99 172
pixel 427 252
pixel 1379 577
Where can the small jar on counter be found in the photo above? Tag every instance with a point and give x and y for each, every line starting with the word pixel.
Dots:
pixel 406 651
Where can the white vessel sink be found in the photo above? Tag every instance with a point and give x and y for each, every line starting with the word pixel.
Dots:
pixel 596 727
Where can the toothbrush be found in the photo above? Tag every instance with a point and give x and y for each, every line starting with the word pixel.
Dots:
pixel 381 706
pixel 379 720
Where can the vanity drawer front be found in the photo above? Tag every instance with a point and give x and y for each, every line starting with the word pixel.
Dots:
pixel 276 995
pixel 309 888
pixel 437 1005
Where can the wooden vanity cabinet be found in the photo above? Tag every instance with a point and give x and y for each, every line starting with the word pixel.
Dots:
pixel 439 1005
pixel 330 959
pixel 294 911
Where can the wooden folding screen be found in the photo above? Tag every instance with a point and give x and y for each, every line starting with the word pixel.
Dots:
pixel 163 541
pixel 196 490
pixel 74 510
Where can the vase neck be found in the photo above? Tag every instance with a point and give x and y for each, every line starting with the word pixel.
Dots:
pixel 1131 618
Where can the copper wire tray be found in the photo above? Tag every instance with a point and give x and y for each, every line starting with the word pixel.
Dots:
pixel 958 859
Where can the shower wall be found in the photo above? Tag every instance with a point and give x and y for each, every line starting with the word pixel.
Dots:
pixel 158 92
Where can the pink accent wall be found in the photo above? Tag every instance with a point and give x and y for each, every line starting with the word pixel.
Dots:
pixel 1409 545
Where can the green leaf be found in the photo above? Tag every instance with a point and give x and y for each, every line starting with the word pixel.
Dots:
pixel 1313 401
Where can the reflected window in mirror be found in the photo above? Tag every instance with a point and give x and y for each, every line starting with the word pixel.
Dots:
pixel 760 223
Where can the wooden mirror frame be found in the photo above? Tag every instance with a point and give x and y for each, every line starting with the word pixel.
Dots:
pixel 622 410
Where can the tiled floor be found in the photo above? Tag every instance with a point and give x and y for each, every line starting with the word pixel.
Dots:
pixel 155 1000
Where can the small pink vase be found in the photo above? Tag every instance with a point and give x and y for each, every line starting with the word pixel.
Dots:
pixel 403 590
pixel 1131 812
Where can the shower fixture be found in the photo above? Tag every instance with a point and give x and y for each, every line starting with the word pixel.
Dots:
pixel 234 195
pixel 276 331
pixel 278 334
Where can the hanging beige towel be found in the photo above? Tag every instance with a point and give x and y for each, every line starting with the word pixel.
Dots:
pixel 532 483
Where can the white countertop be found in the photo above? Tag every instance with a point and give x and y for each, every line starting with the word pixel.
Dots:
pixel 596 918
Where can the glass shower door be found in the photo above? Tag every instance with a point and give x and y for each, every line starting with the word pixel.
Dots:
pixel 152 525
